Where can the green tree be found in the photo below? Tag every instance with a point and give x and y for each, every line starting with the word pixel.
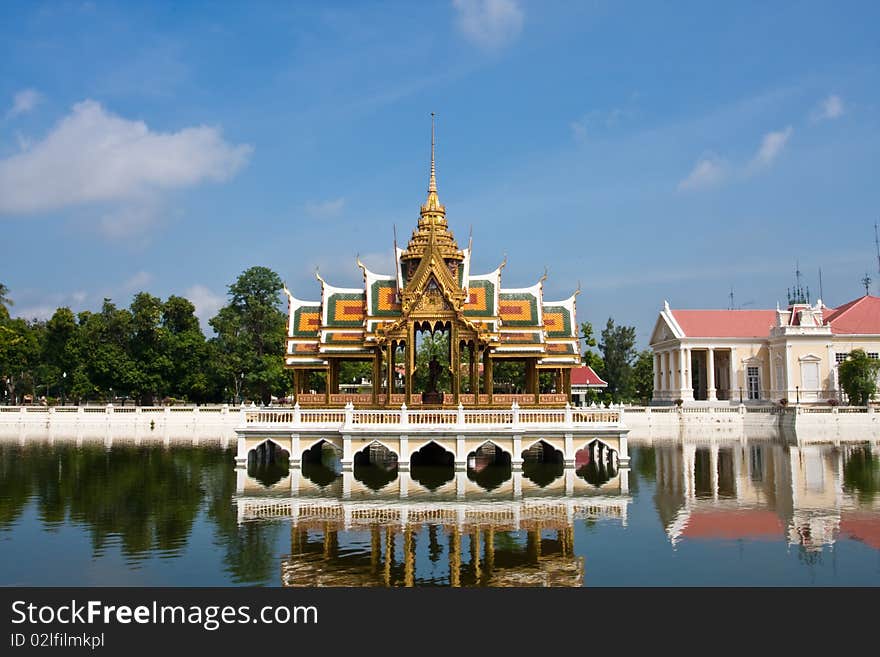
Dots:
pixel 20 356
pixel 643 376
pixel 618 353
pixel 250 335
pixel 147 348
pixel 858 377
pixel 5 302
pixel 187 352
pixel 432 345
pixel 105 337
pixel 590 358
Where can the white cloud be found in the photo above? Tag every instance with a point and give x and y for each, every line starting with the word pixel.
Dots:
pixel 207 303
pixel 771 146
pixel 829 108
pixel 24 101
pixel 579 129
pixel 94 156
pixel 489 23
pixel 707 172
pixel 129 220
pixel 325 209
pixel 138 281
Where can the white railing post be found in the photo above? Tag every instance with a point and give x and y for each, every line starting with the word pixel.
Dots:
pixel 568 415
pixel 459 418
pixel 514 408
pixel 349 415
pixel 297 414
pixel 242 415
pixel 404 416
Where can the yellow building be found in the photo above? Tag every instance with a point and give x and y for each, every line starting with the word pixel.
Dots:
pixel 760 355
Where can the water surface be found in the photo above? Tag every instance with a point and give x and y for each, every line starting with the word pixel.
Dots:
pixel 693 513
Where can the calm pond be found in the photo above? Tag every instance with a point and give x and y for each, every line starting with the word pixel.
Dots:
pixel 738 513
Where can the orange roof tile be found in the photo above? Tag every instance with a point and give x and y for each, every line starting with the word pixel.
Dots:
pixel 734 524
pixel 858 317
pixel 725 323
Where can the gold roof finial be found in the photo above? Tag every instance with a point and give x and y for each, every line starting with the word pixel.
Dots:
pixel 432 211
pixel 432 183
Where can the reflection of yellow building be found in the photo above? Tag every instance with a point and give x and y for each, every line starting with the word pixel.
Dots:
pixel 472 555
pixel 346 534
pixel 759 490
pixel 765 355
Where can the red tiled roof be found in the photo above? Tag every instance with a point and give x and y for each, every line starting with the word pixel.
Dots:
pixel 864 527
pixel 585 376
pixel 733 524
pixel 859 316
pixel 725 323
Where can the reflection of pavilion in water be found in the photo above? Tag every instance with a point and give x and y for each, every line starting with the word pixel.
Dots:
pixel 346 533
pixel 761 490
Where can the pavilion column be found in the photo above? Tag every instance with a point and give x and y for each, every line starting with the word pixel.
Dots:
pixel 472 374
pixel 710 374
pixel 455 359
pixel 566 382
pixel 296 385
pixel 327 383
pixel 410 354
pixel 488 382
pixel 389 371
pixel 536 385
pixel 377 374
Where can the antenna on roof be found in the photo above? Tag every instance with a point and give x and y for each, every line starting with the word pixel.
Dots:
pixel 730 296
pixel 866 281
pixel 821 291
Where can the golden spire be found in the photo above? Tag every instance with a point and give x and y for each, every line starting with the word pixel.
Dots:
pixel 432 211
pixel 432 183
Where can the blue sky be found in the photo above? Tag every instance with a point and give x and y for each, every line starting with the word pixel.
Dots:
pixel 650 151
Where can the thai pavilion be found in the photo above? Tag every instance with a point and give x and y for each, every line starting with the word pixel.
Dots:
pixel 433 290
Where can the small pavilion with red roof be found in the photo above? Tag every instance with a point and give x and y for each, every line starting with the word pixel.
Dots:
pixel 760 355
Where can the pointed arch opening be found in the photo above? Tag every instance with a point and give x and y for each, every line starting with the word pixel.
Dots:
pixel 432 466
pixel 542 463
pixel 321 463
pixel 488 466
pixel 268 463
pixel 596 463
pixel 375 466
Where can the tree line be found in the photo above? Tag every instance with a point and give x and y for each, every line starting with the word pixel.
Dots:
pixel 152 351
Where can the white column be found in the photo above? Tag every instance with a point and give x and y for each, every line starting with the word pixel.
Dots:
pixel 734 389
pixel 682 373
pixel 656 374
pixel 347 454
pixel 710 374
pixel 516 459
pixel 713 469
pixel 665 373
pixel 789 388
